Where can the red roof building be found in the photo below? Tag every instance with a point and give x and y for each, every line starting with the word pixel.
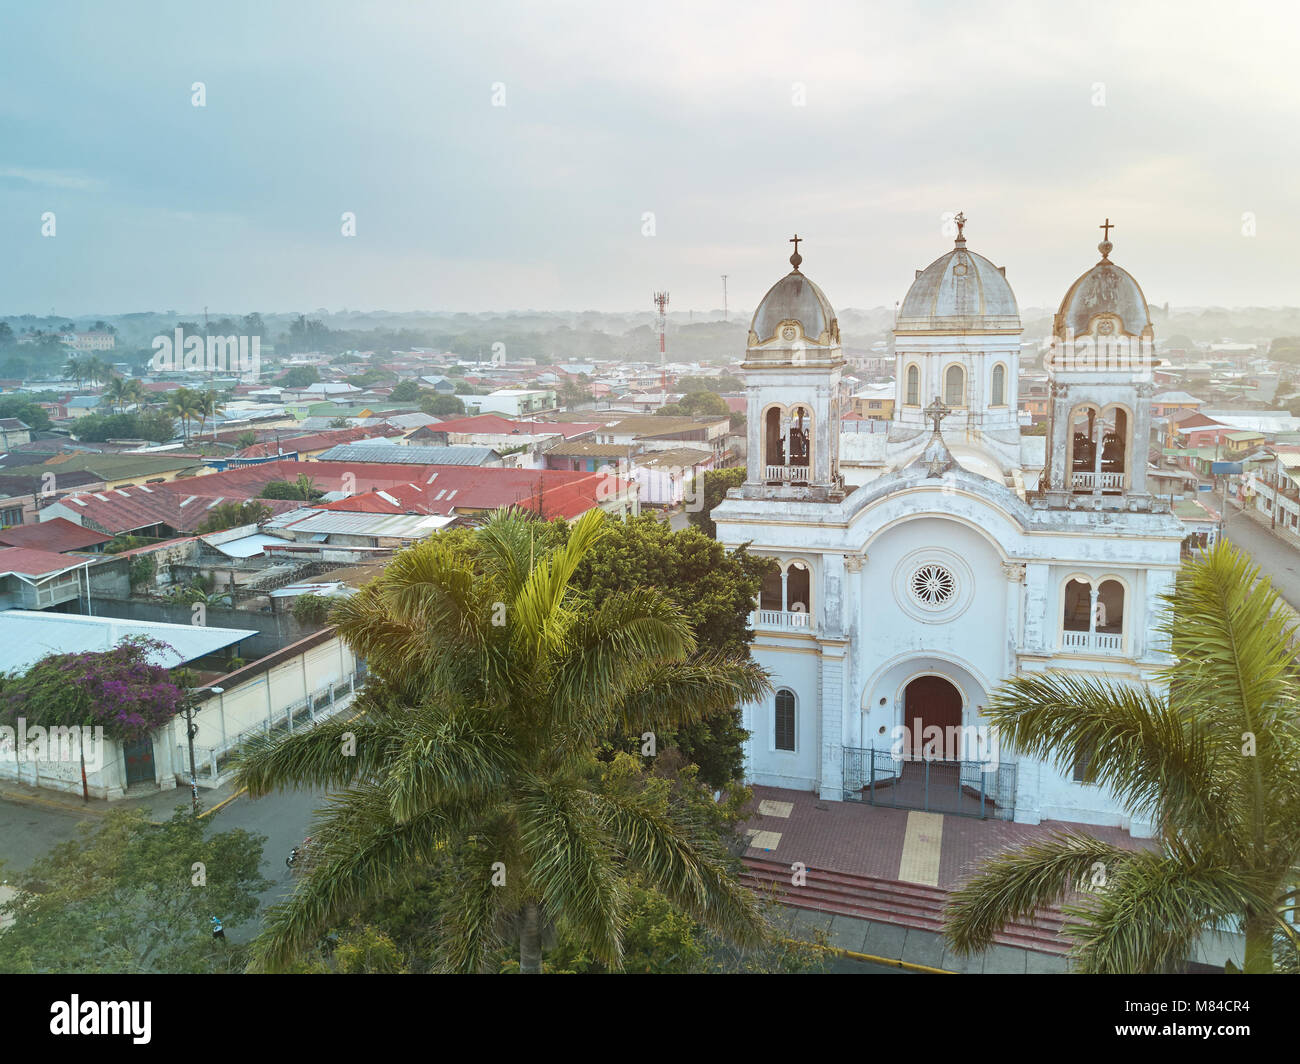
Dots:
pixel 27 562
pixel 474 489
pixel 57 536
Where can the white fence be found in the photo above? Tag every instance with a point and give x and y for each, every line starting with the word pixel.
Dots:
pixel 213 764
pixel 1111 642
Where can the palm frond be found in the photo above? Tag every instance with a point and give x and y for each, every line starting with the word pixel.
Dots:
pixel 571 866
pixel 670 694
pixel 1153 909
pixel 456 755
pixel 332 754
pixel 1015 884
pixel 679 857
pixel 1159 765
pixel 358 851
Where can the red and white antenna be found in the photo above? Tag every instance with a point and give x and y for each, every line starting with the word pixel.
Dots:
pixel 661 302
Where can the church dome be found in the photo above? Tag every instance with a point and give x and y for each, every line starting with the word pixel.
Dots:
pixel 959 291
pixel 795 298
pixel 1106 289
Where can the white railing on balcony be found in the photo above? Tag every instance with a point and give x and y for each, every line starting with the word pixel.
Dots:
pixel 1098 481
pixel 782 619
pixel 1110 642
pixel 794 473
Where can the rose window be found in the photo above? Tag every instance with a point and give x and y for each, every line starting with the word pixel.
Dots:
pixel 933 586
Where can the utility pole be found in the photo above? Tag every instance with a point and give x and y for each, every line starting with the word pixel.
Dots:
pixel 724 297
pixel 661 303
pixel 190 731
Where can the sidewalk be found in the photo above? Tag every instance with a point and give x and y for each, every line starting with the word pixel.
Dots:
pixel 1265 522
pixel 157 804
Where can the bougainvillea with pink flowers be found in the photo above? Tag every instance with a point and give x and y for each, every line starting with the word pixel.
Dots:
pixel 118 689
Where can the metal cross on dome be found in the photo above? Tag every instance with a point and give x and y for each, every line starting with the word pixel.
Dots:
pixel 936 412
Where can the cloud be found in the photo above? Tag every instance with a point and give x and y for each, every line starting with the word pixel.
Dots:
pixel 49 178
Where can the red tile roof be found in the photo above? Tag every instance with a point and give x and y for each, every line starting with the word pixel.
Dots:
pixel 130 509
pixel 460 488
pixel 35 562
pixel 328 476
pixel 55 536
pixel 493 423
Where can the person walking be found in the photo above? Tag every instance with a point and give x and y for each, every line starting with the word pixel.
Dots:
pixel 217 930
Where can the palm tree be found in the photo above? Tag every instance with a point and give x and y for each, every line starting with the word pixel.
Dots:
pixel 186 404
pixel 497 680
pixel 95 370
pixel 75 369
pixel 1211 756
pixel 210 405
pixel 116 392
pixel 135 393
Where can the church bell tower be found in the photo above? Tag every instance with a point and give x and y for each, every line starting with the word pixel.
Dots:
pixel 793 363
pixel 1100 386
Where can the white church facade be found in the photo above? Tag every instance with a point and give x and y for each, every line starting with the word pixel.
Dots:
pixel 964 556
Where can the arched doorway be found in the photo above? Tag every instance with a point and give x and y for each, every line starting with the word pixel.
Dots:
pixel 931 702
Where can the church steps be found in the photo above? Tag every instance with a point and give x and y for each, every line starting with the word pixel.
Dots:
pixel 889 901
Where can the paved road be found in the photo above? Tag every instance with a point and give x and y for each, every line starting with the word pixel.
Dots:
pixel 30 829
pixel 1278 560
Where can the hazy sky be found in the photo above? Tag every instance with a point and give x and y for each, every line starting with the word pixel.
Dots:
pixel 687 110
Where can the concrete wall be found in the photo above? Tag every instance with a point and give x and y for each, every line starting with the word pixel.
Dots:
pixel 260 695
pixel 276 630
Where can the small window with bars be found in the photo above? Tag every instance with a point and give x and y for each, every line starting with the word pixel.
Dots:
pixel 784 720
pixel 1082 762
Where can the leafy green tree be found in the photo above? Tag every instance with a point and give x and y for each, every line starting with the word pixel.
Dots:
pixel 698 404
pixel 300 377
pixel 441 405
pixel 718 385
pixel 6 334
pixel 340 423
pixel 1212 762
pixel 713 488
pixel 245 440
pixel 122 898
pixel 575 392
pixel 154 425
pixel 25 410
pixel 495 681
pixel 312 609
pixel 715 590
pixel 405 392
pixel 303 488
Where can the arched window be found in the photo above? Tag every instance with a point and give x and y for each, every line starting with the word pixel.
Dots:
pixel 998 392
pixel 913 386
pixel 954 386
pixel 784 731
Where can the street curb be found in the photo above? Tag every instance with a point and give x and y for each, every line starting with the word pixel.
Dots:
pixel 892 962
pixel 223 803
pixel 28 799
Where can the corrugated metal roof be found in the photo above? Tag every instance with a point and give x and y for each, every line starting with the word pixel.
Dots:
pixel 393 526
pixel 28 635
pixel 388 455
pixel 246 547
